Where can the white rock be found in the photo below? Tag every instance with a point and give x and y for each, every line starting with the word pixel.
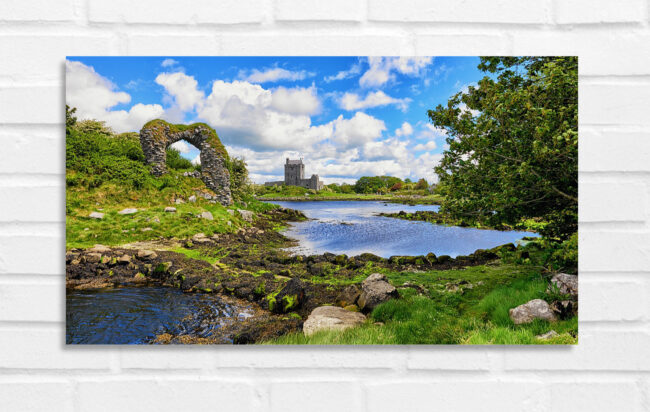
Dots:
pixel 127 211
pixel 192 199
pixel 170 209
pixel 535 309
pixel 207 215
pixel 331 318
pixel 99 249
pixel 179 201
pixel 548 335
pixel 96 215
pixel 567 284
pixel 231 212
pixel 247 215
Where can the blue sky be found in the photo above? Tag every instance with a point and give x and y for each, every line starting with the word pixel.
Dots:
pixel 346 116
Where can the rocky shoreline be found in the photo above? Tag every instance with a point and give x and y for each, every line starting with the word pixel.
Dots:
pixel 250 265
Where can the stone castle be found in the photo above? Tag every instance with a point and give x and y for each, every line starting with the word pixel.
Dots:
pixel 294 175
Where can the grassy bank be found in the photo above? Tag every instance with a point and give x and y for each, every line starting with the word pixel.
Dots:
pixel 467 306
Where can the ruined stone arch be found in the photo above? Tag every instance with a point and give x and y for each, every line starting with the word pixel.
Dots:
pixel 157 135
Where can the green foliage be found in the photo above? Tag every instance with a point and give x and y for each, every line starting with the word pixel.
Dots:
pixel 89 126
pixel 70 119
pixel 95 158
pixel 174 160
pixel 240 184
pixel 375 184
pixel 422 184
pixel 513 144
pixel 564 256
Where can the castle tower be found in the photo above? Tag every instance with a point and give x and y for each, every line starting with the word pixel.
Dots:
pixel 294 172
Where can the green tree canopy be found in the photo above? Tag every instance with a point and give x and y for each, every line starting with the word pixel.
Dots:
pixel 513 144
pixel 373 184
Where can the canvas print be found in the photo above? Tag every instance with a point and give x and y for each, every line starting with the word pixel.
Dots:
pixel 322 200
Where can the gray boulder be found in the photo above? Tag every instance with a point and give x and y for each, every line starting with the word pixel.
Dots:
pixel 93 257
pixel 127 211
pixel 567 284
pixel 375 290
pixel 99 249
pixel 247 215
pixel 207 215
pixel 170 209
pixel 96 215
pixel 535 309
pixel 331 318
pixel 192 199
pixel 147 254
pixel 548 335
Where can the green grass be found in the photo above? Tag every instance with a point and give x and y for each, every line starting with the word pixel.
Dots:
pixel 478 315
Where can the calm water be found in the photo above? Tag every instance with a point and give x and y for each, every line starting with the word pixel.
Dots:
pixel 137 315
pixel 353 227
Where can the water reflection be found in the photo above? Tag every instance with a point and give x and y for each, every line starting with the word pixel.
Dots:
pixel 353 227
pixel 137 315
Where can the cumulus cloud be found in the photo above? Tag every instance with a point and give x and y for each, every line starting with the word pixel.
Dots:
pixel 382 69
pixel 181 146
pixel 296 100
pixel 405 130
pixel 430 145
pixel 183 88
pixel 356 131
pixel 168 63
pixel 352 101
pixel 354 70
pixel 94 95
pixel 273 74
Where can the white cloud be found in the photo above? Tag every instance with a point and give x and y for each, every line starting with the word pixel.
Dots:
pixel 181 146
pixel 359 129
pixel 344 74
pixel 94 95
pixel 183 88
pixel 196 160
pixel 297 100
pixel 405 130
pixel 273 74
pixel 352 101
pixel 168 63
pixel 381 69
pixel 430 145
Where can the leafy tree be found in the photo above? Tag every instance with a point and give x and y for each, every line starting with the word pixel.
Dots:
pixel 70 119
pixel 368 184
pixel 240 184
pixel 174 160
pixel 422 184
pixel 513 144
pixel 396 186
pixel 89 126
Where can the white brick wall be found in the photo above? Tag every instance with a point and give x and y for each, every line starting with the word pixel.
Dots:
pixel 609 370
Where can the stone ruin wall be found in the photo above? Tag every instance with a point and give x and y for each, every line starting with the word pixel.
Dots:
pixel 156 138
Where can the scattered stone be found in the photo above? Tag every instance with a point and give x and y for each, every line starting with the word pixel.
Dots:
pixel 99 249
pixel 548 335
pixel 535 309
pixel 96 215
pixel 93 257
pixel 565 309
pixel 246 215
pixel 207 215
pixel 105 259
pixel 348 296
pixel 290 297
pixel 124 259
pixel 331 318
pixel 170 209
pixel 200 238
pixel 567 284
pixel 155 219
pixel 375 290
pixel 231 212
pixel 192 199
pixel 144 254
pixel 127 211
pixel 228 223
pixel 179 201
pixel 146 229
